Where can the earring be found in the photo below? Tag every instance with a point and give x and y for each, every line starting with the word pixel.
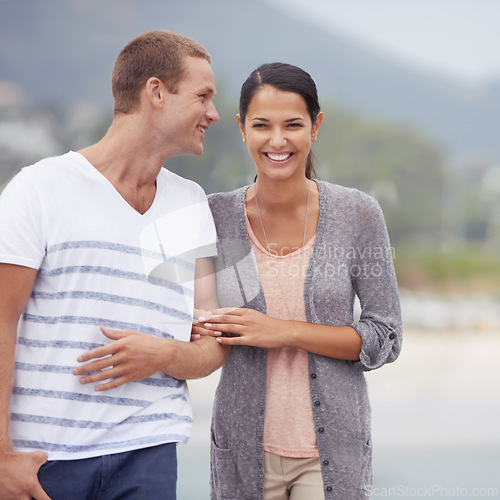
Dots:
pixel 244 138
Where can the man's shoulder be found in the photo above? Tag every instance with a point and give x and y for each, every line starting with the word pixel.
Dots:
pixel 185 186
pixel 44 172
pixel 48 167
pixel 58 161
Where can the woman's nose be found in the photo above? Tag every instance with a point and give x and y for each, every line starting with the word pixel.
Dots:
pixel 277 139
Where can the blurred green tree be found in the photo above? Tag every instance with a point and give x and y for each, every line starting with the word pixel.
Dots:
pixel 402 169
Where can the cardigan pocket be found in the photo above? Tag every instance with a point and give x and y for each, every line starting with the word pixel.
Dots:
pixel 224 476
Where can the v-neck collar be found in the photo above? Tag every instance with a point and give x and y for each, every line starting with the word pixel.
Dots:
pixel 106 182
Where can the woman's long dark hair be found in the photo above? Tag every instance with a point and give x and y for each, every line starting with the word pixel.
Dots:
pixel 287 78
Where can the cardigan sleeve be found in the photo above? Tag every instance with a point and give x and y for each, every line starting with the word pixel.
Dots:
pixel 374 281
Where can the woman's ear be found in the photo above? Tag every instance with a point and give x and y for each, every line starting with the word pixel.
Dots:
pixel 317 125
pixel 242 128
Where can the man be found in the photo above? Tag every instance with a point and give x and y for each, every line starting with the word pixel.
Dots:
pixel 101 245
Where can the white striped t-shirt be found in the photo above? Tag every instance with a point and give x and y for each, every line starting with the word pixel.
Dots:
pixel 100 262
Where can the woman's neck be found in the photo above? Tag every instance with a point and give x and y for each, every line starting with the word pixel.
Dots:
pixel 283 216
pixel 282 195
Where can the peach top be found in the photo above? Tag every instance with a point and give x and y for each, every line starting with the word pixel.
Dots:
pixel 289 427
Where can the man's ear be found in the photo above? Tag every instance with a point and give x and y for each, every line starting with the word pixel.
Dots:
pixel 155 91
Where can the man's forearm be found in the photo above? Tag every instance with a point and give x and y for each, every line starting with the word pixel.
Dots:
pixel 192 360
pixel 16 285
pixel 7 349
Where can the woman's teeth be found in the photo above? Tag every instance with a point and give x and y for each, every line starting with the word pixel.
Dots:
pixel 278 157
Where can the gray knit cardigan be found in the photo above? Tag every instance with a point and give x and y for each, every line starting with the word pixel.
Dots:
pixel 351 256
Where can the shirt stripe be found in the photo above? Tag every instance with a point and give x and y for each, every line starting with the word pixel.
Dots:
pixel 167 381
pixel 117 247
pixel 58 344
pixel 75 396
pixel 85 320
pixel 91 424
pixel 116 299
pixel 116 273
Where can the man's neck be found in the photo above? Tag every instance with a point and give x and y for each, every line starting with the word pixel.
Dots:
pixel 129 165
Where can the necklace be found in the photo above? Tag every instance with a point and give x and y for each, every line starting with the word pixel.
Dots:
pixel 290 315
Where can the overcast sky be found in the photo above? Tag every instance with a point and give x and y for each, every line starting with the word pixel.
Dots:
pixel 455 37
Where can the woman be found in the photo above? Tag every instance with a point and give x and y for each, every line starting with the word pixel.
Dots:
pixel 291 416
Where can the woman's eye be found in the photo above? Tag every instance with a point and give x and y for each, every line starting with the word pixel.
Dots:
pixel 259 125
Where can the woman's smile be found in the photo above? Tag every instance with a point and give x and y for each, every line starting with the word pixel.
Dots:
pixel 279 157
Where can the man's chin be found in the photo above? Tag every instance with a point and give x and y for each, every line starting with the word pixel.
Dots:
pixel 196 150
pixel 199 152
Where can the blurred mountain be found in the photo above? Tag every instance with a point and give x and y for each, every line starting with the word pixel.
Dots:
pixel 61 52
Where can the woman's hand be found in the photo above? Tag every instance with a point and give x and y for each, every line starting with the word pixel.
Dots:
pixel 251 327
pixel 197 330
pixel 244 327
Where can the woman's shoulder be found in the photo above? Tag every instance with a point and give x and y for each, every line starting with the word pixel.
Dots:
pixel 349 207
pixel 343 195
pixel 226 200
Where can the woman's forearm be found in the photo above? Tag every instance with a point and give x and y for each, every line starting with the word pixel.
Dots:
pixel 254 328
pixel 341 342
